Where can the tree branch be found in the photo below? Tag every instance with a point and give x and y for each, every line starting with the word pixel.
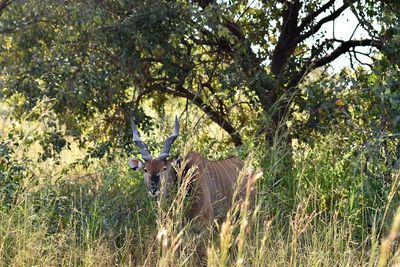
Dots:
pixel 212 114
pixel 308 19
pixel 204 3
pixel 326 19
pixel 365 24
pixel 4 4
pixel 355 52
pixel 260 80
pixel 215 116
pixel 343 48
pixel 286 42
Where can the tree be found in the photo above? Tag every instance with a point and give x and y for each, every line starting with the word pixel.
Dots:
pixel 90 55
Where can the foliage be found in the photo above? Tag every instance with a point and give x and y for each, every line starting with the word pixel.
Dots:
pixel 16 144
pixel 104 57
pixel 11 172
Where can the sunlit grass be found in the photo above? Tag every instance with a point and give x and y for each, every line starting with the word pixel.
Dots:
pixel 88 233
pixel 310 215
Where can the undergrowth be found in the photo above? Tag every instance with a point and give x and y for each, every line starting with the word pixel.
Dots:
pixel 327 204
pixel 101 216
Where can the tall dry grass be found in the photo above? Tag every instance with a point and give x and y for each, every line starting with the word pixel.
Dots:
pixel 318 212
pixel 48 227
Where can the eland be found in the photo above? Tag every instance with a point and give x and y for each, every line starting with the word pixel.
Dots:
pixel 212 183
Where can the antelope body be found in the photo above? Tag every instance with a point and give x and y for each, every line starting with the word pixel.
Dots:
pixel 212 183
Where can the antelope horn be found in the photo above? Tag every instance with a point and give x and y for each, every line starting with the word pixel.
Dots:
pixel 170 140
pixel 142 146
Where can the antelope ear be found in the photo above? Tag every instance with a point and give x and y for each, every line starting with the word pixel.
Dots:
pixel 135 163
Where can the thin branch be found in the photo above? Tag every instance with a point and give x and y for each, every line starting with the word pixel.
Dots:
pixel 335 14
pixel 215 116
pixel 4 4
pixel 351 62
pixel 150 59
pixel 365 54
pixel 344 48
pixel 239 103
pixel 222 106
pixel 235 30
pixel 354 31
pixel 355 52
pixel 143 94
pixel 367 26
pixel 244 11
pixel 212 114
pixel 204 3
pixel 308 19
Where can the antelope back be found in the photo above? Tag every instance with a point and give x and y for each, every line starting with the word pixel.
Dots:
pixel 216 182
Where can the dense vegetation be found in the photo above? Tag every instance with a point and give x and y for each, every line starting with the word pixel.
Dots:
pixel 246 78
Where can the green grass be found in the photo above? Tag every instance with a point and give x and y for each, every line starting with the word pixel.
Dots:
pixel 102 217
pixel 318 207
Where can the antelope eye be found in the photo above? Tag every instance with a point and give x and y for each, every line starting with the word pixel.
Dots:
pixel 145 169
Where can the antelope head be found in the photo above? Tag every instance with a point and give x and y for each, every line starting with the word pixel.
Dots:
pixel 158 173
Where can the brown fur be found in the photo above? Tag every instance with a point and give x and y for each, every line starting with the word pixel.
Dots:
pixel 212 184
pixel 215 183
